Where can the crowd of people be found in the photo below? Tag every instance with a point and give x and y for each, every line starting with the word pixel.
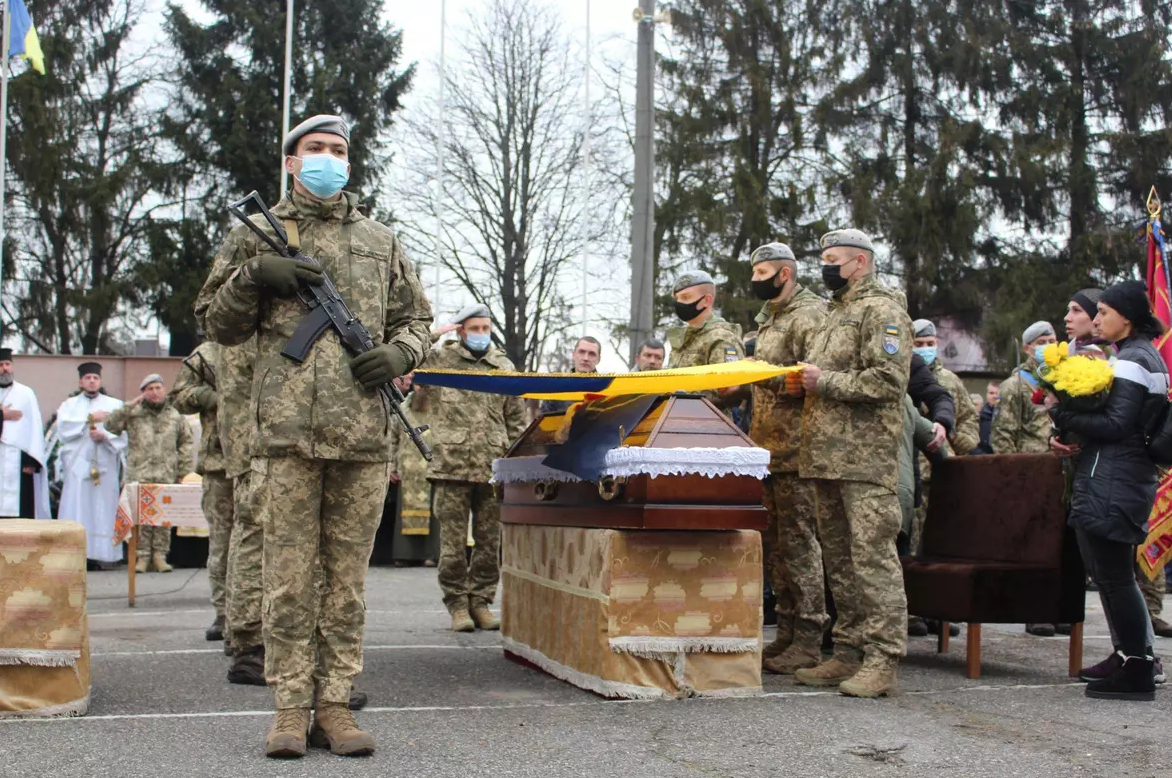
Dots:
pixel 296 456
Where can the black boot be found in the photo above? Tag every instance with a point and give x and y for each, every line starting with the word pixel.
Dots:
pixel 916 627
pixel 248 667
pixel 1041 630
pixel 357 699
pixel 934 628
pixel 1133 681
pixel 216 631
pixel 1104 669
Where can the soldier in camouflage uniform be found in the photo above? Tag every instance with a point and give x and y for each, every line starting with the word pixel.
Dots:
pixel 1020 426
pixel 965 434
pixel 471 430
pixel 852 430
pixel 706 338
pixel 789 321
pixel 159 452
pixel 321 445
pixel 195 392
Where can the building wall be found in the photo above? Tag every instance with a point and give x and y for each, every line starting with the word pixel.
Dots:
pixel 54 376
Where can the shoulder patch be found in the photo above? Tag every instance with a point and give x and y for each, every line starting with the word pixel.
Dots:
pixel 730 355
pixel 891 338
pixel 893 329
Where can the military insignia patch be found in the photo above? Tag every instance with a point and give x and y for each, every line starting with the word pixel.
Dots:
pixel 730 355
pixel 891 339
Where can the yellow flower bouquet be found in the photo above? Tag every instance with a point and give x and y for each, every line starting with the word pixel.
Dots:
pixel 1080 382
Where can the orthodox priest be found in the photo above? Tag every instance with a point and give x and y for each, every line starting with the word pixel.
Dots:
pixel 24 482
pixel 90 460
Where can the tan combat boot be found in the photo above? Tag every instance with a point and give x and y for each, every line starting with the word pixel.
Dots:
pixel 141 564
pixel 829 673
pixel 286 738
pixel 484 618
pixel 334 727
pixel 792 659
pixel 160 562
pixel 875 679
pixel 785 636
pixel 461 621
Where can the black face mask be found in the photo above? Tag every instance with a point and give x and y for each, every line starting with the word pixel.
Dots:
pixel 689 311
pixel 832 277
pixel 766 289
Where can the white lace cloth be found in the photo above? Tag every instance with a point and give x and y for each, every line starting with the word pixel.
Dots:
pixel 631 461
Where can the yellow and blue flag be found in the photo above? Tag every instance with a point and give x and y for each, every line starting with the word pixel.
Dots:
pixel 23 41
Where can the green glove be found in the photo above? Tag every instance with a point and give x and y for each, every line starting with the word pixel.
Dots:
pixel 283 275
pixel 381 364
pixel 207 399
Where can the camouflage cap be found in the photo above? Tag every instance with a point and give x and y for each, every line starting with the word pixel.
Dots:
pixel 771 252
pixel 334 125
pixel 849 237
pixel 922 328
pixel 474 311
pixel 691 278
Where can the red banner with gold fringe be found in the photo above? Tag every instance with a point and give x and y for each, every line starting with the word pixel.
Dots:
pixel 1157 548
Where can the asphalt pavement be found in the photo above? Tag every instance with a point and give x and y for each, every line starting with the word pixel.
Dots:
pixel 443 704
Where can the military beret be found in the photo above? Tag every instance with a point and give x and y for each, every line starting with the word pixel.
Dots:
pixel 88 368
pixel 850 237
pixel 334 125
pixel 476 310
pixel 153 378
pixel 691 278
pixel 771 252
pixel 1035 331
pixel 922 328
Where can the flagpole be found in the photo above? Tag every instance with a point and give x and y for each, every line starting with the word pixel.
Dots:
pixel 4 136
pixel 287 90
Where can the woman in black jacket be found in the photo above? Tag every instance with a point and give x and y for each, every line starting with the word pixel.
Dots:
pixel 1115 481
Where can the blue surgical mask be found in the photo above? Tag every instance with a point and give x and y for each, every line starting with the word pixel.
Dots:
pixel 478 341
pixel 927 353
pixel 1040 354
pixel 324 175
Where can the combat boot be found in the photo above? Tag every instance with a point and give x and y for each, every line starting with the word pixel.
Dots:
pixel 160 563
pixel 461 621
pixel 216 631
pixel 286 738
pixel 785 636
pixel 334 727
pixel 832 672
pixel 248 667
pixel 141 564
pixel 484 618
pixel 793 659
pixel 875 679
pixel 1161 628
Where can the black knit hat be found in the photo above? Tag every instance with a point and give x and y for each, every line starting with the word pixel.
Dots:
pixel 1088 300
pixel 1130 299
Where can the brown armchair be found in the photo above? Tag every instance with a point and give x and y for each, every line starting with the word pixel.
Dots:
pixel 997 550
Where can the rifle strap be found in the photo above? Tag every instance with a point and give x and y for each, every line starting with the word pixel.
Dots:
pixel 293 239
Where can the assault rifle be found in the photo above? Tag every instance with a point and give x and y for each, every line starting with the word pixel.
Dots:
pixel 327 310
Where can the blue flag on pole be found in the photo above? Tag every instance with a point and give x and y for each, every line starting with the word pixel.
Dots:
pixel 23 41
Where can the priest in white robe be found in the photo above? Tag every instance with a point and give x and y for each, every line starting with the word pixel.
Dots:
pixel 24 480
pixel 90 465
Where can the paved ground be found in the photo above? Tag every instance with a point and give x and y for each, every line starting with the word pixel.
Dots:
pixel 448 705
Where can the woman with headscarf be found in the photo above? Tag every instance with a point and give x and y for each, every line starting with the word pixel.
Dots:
pixel 1115 482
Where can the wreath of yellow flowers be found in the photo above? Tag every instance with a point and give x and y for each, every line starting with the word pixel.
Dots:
pixel 1074 376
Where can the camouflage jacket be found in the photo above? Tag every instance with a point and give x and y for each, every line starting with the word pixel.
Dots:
pixel 787 331
pixel 967 434
pixel 414 490
pixel 470 429
pixel 236 419
pixel 196 383
pixel 713 342
pixel 161 444
pixel 853 423
pixel 1019 426
pixel 317 410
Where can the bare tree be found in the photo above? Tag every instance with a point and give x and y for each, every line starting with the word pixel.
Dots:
pixel 512 207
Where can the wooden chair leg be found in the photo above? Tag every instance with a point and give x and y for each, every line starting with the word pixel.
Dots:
pixel 1075 649
pixel 942 639
pixel 973 651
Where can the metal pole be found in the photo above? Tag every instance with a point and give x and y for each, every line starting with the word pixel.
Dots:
pixel 3 136
pixel 587 212
pixel 441 139
pixel 288 87
pixel 643 224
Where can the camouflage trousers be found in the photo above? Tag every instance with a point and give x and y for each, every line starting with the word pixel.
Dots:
pixel 153 540
pixel 244 586
pixel 216 503
pixel 858 524
pixel 1153 591
pixel 793 556
pixel 315 511
pixel 465 584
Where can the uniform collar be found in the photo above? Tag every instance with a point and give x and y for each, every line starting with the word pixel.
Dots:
pixel 295 205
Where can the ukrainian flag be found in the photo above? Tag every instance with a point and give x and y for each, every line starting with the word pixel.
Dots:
pixel 23 40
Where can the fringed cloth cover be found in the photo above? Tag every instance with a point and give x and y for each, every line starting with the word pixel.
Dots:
pixel 44 640
pixel 631 461
pixel 634 614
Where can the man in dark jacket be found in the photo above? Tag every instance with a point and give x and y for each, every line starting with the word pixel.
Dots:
pixel 985 419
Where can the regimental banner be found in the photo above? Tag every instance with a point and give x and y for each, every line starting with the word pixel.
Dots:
pixel 1157 548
